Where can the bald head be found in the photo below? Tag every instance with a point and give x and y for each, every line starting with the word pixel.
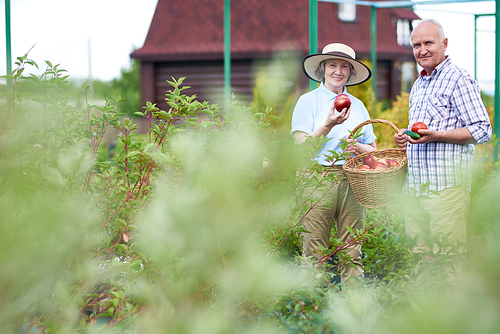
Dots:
pixel 432 21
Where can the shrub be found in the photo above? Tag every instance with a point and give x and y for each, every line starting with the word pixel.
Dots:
pixel 194 226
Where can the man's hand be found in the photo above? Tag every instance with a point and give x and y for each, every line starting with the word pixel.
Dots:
pixel 401 139
pixel 426 136
pixel 460 136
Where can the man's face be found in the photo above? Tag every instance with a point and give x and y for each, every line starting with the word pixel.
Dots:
pixel 428 46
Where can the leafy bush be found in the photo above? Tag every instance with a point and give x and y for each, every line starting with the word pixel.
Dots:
pixel 195 227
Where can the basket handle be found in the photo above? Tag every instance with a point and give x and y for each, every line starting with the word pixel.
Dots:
pixel 370 121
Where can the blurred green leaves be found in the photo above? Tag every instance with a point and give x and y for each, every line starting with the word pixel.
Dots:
pixel 194 226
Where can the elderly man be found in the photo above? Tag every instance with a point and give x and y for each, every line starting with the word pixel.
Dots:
pixel 447 99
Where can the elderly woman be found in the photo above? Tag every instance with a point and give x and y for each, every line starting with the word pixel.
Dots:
pixel 314 115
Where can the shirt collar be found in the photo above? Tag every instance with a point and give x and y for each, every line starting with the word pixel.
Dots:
pixel 437 69
pixel 328 94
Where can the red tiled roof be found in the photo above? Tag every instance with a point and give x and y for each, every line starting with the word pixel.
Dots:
pixel 193 29
pixel 403 13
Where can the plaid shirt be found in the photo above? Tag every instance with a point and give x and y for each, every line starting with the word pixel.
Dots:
pixel 447 99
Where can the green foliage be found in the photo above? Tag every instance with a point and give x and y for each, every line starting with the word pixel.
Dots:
pixel 488 100
pixel 127 85
pixel 275 88
pixel 195 226
pixel 119 255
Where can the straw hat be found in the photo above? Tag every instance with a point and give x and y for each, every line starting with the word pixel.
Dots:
pixel 361 73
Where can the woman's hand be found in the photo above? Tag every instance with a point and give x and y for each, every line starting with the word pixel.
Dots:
pixel 355 147
pixel 352 146
pixel 336 118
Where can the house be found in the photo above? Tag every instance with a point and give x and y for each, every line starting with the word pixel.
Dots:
pixel 186 39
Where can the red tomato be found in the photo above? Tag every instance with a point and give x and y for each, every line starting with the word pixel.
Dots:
pixel 418 126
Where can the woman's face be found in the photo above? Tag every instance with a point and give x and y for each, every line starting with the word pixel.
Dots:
pixel 336 75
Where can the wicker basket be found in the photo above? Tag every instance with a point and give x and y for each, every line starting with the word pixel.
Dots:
pixel 376 188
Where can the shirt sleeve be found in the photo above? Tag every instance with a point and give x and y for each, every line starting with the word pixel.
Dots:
pixel 302 118
pixel 471 110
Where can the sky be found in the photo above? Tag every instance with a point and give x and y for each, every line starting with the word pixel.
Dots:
pixel 457 20
pixel 61 31
pixel 96 37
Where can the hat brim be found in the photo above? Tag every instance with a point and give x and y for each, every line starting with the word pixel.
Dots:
pixel 310 65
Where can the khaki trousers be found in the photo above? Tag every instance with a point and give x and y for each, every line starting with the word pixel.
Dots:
pixel 338 206
pixel 443 217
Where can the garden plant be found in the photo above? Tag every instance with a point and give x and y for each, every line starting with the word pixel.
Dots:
pixel 194 226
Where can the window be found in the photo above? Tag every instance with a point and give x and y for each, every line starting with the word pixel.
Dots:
pixel 347 11
pixel 408 71
pixel 403 32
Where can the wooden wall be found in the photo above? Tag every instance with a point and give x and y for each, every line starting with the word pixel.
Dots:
pixel 206 80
